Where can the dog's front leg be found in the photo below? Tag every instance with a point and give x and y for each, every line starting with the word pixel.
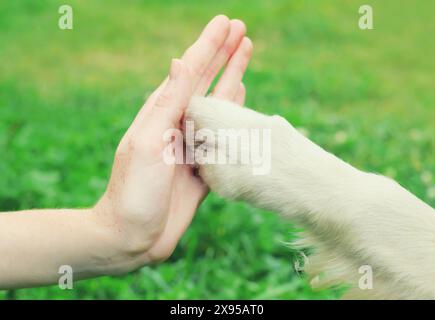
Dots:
pixel 291 174
pixel 353 219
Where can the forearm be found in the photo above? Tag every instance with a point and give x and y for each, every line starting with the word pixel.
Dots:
pixel 34 244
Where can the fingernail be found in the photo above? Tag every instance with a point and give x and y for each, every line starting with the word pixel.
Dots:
pixel 175 69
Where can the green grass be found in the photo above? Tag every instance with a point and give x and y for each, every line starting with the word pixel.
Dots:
pixel 66 97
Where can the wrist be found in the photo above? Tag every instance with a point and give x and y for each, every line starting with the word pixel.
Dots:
pixel 117 254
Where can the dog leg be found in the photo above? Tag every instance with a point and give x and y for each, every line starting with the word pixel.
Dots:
pixel 354 220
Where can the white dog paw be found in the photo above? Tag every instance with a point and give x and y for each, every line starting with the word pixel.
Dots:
pixel 233 145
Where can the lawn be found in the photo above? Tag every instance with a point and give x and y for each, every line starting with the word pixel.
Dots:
pixel 66 97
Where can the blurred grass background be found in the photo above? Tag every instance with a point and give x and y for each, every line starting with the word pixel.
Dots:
pixel 66 97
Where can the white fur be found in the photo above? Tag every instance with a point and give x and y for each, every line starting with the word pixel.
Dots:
pixel 351 218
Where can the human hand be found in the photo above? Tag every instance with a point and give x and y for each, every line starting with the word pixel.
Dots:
pixel 148 203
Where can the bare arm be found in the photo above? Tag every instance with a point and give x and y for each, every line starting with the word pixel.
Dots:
pixel 35 244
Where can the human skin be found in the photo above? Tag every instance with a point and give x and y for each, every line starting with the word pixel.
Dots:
pixel 148 204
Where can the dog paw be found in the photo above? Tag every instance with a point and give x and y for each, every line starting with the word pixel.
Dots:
pixel 246 155
pixel 233 145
